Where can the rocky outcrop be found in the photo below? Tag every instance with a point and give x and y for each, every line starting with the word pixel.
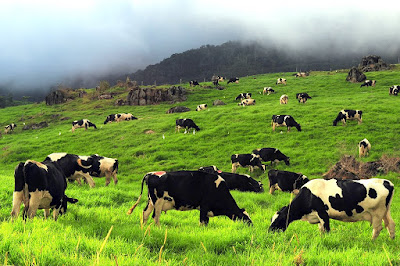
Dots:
pixel 147 96
pixel 178 109
pixel 55 97
pixel 372 63
pixel 218 102
pixel 35 126
pixel 355 75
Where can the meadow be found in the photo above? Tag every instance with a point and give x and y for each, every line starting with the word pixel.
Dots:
pixel 97 230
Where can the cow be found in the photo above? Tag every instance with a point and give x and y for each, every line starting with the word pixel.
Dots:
pixel 394 90
pixel 247 102
pixel 343 200
pixel 187 124
pixel 363 148
pixel 268 90
pixel 284 99
pixel 345 115
pixel 235 80
pixel 103 167
pixel 272 155
pixel 284 120
pixel 201 107
pixel 39 185
pixel 243 96
pixel 285 181
pixel 246 160
pixel 189 190
pixel 193 83
pixel 281 81
pixel 301 74
pixel 82 123
pixel 368 83
pixel 235 181
pixel 73 166
pixel 302 97
pixel 9 128
pixel 119 118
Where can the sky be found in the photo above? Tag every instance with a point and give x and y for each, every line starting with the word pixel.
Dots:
pixel 45 42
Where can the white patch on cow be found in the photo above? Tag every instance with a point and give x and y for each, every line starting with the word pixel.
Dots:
pixel 218 181
pixel 276 215
pixel 38 164
pixel 168 204
pixel 312 217
pixel 304 177
pixel 210 214
pixel 56 156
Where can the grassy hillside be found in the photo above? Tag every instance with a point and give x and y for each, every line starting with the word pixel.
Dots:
pixel 79 237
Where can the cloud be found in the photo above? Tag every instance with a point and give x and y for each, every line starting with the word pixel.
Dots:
pixel 45 42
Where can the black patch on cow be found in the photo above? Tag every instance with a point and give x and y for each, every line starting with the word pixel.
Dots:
pixel 353 193
pixel 389 187
pixel 372 193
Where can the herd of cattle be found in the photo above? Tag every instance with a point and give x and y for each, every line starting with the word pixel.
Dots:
pixel 42 185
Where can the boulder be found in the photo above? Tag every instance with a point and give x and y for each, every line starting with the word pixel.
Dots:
pixel 178 109
pixel 147 96
pixel 372 63
pixel 218 102
pixel 355 75
pixel 35 125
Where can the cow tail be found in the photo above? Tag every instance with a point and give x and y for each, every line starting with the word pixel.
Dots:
pixel 138 200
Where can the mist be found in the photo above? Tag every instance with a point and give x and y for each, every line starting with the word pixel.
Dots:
pixel 49 42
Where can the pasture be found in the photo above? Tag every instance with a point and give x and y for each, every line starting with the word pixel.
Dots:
pixel 97 230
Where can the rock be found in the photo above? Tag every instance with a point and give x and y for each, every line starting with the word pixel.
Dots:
pixel 35 125
pixel 55 97
pixel 147 96
pixel 355 75
pixel 218 102
pixel 372 63
pixel 178 109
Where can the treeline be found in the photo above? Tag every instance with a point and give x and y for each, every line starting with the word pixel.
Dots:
pixel 236 59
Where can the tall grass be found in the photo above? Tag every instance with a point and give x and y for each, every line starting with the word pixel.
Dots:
pixel 83 235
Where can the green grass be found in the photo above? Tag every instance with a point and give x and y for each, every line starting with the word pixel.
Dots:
pixel 77 237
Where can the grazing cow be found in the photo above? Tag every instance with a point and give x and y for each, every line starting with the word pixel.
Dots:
pixel 235 181
pixel 82 123
pixel 246 160
pixel 103 167
pixel 119 118
pixel 285 181
pixel 281 81
pixel 345 115
pixel 394 90
pixel 39 186
pixel 243 96
pixel 363 148
pixel 73 166
pixel 284 99
pixel 301 74
pixel 187 124
pixel 302 97
pixel 368 83
pixel 247 102
pixel 193 83
pixel 284 121
pixel 272 155
pixel 201 107
pixel 9 128
pixel 343 200
pixel 268 90
pixel 189 190
pixel 236 80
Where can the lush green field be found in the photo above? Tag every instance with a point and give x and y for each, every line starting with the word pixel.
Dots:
pixel 80 236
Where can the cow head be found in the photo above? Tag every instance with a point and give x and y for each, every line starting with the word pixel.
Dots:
pixel 254 185
pixel 298 127
pixel 279 221
pixel 242 215
pixel 287 160
pixel 64 203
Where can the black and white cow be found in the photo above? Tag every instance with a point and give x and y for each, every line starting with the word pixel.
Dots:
pixel 268 90
pixel 285 181
pixel 189 190
pixel 187 124
pixel 9 128
pixel 364 147
pixel 368 83
pixel 82 123
pixel 236 181
pixel 103 167
pixel 246 102
pixel 284 121
pixel 394 90
pixel 235 80
pixel 302 97
pixel 244 95
pixel 345 115
pixel 193 83
pixel 301 74
pixel 281 81
pixel 271 155
pixel 246 160
pixel 343 200
pixel 201 107
pixel 119 118
pixel 284 99
pixel 39 186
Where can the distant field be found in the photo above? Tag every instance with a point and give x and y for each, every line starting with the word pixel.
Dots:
pixel 77 237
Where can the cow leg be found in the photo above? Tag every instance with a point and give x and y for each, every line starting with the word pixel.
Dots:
pixel 251 168
pixel 157 210
pixel 56 211
pixel 88 179
pixel 34 201
pixel 389 224
pixel 46 213
pixel 203 216
pixel 234 167
pixel 377 227
pixel 18 197
pixel 273 126
pixel 108 178
pixel 271 189
pixel 323 221
pixel 146 212
pixel 114 176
